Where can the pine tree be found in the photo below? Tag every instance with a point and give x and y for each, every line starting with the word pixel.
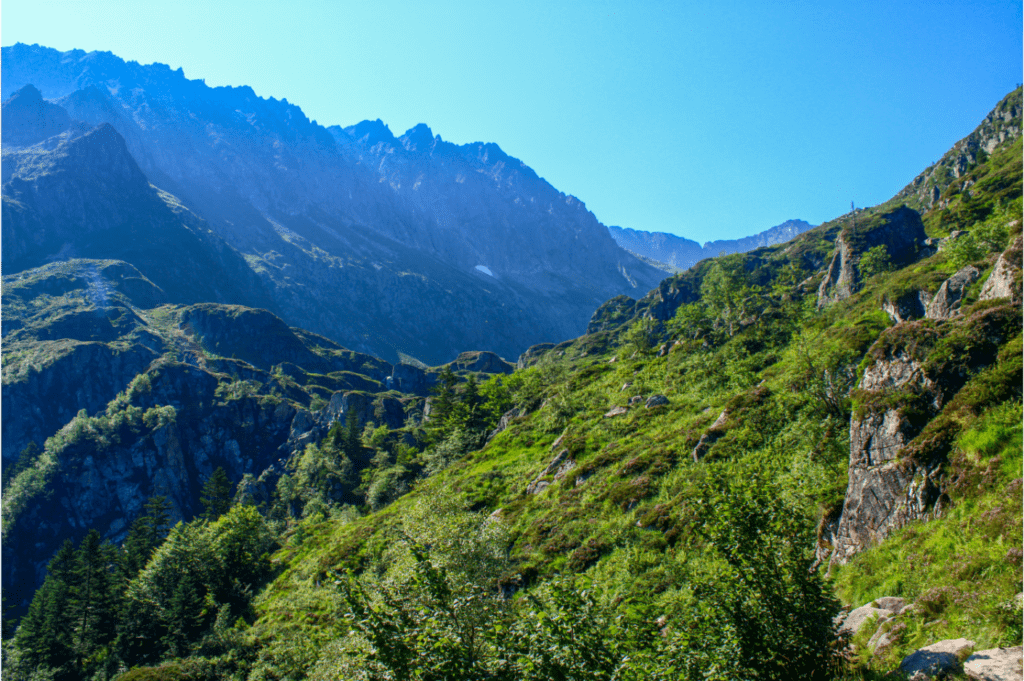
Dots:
pixel 45 634
pixel 184 614
pixel 93 603
pixel 26 458
pixel 147 532
pixel 216 495
pixel 443 403
pixel 352 443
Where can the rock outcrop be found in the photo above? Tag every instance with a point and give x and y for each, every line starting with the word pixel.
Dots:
pixel 938 660
pixel 893 476
pixel 945 304
pixel 900 231
pixel 995 664
pixel 883 492
pixel 910 305
pixel 1005 279
pixel 712 435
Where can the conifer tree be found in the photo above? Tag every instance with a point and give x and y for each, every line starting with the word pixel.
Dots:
pixel 352 442
pixel 93 603
pixel 45 635
pixel 147 532
pixel 216 495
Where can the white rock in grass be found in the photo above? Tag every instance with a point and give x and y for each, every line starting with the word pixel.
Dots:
pixel 997 664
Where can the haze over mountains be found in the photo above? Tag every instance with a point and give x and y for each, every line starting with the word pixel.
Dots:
pixel 197 281
pixel 380 242
pixel 681 253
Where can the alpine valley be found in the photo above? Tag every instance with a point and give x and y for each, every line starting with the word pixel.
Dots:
pixel 285 401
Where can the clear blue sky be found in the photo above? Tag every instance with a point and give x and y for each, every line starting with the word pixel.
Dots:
pixel 708 120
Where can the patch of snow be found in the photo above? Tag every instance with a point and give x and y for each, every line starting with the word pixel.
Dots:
pixel 485 270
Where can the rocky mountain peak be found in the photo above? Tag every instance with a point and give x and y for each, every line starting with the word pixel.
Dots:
pixel 370 132
pixel 28 118
pixel 418 138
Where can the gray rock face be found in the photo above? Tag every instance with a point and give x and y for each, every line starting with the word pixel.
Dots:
pixel 346 215
pixel 996 664
pixel 907 307
pixel 946 302
pixel 411 379
pixel 883 493
pixel 505 420
pixel 559 466
pixel 840 277
pixel 1001 124
pixel 900 231
pixel 1005 280
pixel 937 660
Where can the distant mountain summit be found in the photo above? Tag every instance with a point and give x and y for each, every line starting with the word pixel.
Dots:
pixel 389 245
pixel 681 253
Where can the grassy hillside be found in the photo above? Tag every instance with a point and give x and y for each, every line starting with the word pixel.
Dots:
pixel 667 496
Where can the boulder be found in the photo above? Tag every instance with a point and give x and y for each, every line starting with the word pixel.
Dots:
pixel 908 306
pixel 1004 282
pixel 997 664
pixel 946 302
pixel 656 401
pixel 857 618
pixel 938 660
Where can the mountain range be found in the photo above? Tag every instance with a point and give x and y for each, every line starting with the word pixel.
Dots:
pixel 405 245
pixel 257 423
pixel 680 253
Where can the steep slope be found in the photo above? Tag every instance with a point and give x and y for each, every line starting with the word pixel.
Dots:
pixel 81 194
pixel 304 203
pixel 112 396
pixel 660 497
pixel 624 445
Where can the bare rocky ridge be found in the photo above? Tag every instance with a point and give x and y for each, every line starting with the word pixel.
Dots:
pixel 356 232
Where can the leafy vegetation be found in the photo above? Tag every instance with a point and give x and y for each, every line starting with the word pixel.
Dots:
pixel 648 501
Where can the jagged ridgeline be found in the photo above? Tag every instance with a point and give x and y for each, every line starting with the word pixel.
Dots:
pixel 390 245
pixel 690 490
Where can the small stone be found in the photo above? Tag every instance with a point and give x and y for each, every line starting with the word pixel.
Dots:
pixel 635 400
pixel 616 411
pixel 625 387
